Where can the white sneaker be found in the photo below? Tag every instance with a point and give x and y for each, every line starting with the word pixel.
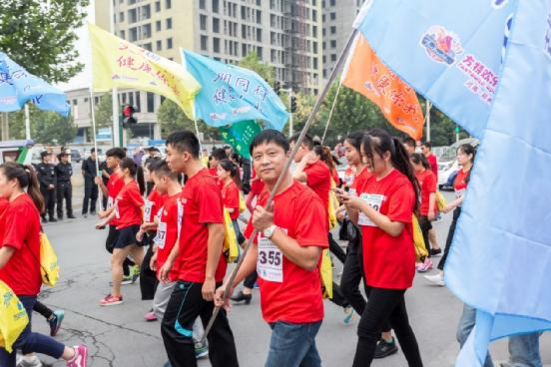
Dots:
pixel 30 360
pixel 436 279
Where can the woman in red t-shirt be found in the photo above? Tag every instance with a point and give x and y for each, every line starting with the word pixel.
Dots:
pixel 384 211
pixel 228 176
pixel 128 209
pixel 19 260
pixel 465 158
pixel 427 213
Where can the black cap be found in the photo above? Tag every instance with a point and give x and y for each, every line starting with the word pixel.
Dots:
pixel 62 154
pixel 45 154
pixel 155 149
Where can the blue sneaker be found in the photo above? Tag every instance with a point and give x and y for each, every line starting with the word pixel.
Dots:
pixel 201 350
pixel 55 322
pixel 349 315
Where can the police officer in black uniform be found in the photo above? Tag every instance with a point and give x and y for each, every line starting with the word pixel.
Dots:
pixel 46 177
pixel 89 172
pixel 63 173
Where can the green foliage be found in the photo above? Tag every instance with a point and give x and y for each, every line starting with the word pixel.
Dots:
pixel 172 118
pixel 52 128
pixel 252 62
pixel 41 38
pixel 104 111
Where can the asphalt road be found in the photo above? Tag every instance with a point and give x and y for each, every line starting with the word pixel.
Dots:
pixel 119 337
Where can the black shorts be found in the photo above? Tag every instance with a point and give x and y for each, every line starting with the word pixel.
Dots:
pixel 127 236
pixel 112 238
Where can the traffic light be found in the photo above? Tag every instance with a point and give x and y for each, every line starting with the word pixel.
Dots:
pixel 293 104
pixel 457 129
pixel 128 115
pixel 277 86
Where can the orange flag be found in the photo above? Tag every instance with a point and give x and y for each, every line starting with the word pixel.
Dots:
pixel 367 75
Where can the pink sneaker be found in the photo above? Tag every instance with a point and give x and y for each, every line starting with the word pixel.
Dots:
pixel 426 266
pixel 150 316
pixel 110 300
pixel 79 360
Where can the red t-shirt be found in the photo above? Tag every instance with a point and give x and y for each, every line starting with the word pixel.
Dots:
pixel 114 187
pixel 318 178
pixel 202 203
pixel 359 181
pixel 427 182
pixel 433 165
pixel 20 229
pixel 288 292
pixel 129 204
pixel 389 262
pixel 257 185
pixel 335 176
pixel 4 203
pixel 459 184
pixel 230 198
pixel 153 204
pixel 167 233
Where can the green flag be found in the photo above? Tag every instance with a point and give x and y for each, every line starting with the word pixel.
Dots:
pixel 240 135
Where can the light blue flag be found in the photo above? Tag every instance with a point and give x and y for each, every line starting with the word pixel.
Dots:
pixel 231 94
pixel 450 51
pixel 17 87
pixel 500 259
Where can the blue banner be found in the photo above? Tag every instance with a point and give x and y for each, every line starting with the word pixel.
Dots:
pixel 449 51
pixel 17 87
pixel 231 94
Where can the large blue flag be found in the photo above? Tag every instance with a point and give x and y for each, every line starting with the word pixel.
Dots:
pixel 17 87
pixel 450 51
pixel 231 94
pixel 500 260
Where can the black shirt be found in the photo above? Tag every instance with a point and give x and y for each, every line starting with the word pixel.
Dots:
pixel 63 172
pixel 89 168
pixel 46 175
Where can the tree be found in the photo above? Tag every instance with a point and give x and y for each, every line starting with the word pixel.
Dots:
pixel 104 111
pixel 252 62
pixel 40 37
pixel 172 118
pixel 52 128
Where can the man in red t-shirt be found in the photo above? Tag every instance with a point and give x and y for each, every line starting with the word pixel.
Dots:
pixel 201 264
pixel 426 149
pixel 287 255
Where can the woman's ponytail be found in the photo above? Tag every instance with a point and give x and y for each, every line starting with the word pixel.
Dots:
pixel 33 189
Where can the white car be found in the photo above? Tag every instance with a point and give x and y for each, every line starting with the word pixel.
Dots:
pixel 446 174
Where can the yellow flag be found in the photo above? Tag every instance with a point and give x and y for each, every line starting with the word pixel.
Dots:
pixel 121 64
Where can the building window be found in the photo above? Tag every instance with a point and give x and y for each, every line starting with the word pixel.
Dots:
pixel 333 2
pixel 150 102
pixel 146 12
pixel 333 16
pixel 333 57
pixel 334 44
pixel 147 46
pixel 123 35
pixel 159 45
pixel 333 30
pixel 203 22
pixel 157 6
pixel 146 31
pixel 138 102
pixel 169 43
pixel 169 23
pixel 204 43
pixel 158 25
pixel 132 16
pixel 216 45
pixel 215 25
pixel 168 4
pixel 121 16
pixel 216 6
pixel 133 37
pixel 202 4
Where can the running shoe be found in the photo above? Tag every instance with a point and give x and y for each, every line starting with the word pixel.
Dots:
pixel 385 349
pixel 425 266
pixel 110 300
pixel 436 279
pixel 437 252
pixel 150 316
pixel 30 360
pixel 55 322
pixel 201 350
pixel 135 273
pixel 418 266
pixel 80 358
pixel 350 315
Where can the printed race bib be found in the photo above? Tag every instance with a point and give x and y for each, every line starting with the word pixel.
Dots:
pixel 147 211
pixel 117 213
pixel 160 239
pixel 270 261
pixel 110 202
pixel 459 193
pixel 373 200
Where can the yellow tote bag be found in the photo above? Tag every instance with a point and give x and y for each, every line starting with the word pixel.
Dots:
pixel 13 317
pixel 49 266
pixel 440 201
pixel 231 248
pixel 242 203
pixel 326 274
pixel 420 249
pixel 333 206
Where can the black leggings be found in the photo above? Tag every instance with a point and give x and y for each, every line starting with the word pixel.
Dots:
pixel 426 226
pixel 351 279
pixel 456 214
pixel 336 249
pixel 148 278
pixel 42 309
pixel 382 305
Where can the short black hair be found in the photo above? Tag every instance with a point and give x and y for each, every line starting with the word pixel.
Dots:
pixel 116 152
pixel 270 136
pixel 409 141
pixel 93 150
pixel 128 163
pixel 184 141
pixel 307 141
pixel 160 167
pixel 219 154
pixel 427 144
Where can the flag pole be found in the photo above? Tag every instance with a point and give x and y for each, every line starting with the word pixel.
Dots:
pixel 309 122
pixel 427 119
pixel 92 107
pixel 331 112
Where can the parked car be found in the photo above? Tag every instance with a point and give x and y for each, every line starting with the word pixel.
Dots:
pixel 75 156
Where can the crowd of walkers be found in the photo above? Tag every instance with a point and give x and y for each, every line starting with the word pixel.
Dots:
pixel 167 221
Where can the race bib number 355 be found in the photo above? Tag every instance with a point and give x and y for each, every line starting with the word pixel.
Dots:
pixel 270 261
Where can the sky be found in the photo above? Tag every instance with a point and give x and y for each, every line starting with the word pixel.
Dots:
pixel 84 78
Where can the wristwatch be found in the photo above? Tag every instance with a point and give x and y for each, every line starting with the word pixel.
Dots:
pixel 269 232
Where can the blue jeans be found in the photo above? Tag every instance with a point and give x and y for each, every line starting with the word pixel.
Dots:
pixel 293 345
pixel 524 351
pixel 466 325
pixel 31 342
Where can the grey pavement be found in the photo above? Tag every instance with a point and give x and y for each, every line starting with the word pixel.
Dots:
pixel 119 337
